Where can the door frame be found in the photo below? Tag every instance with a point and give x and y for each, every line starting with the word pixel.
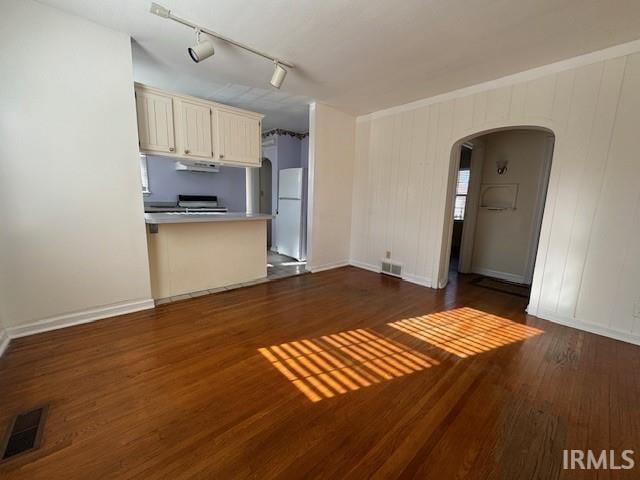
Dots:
pixel 441 270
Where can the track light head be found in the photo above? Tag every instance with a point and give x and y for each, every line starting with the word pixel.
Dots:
pixel 202 49
pixel 159 10
pixel 279 73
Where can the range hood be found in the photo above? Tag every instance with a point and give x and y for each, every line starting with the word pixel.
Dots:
pixel 197 166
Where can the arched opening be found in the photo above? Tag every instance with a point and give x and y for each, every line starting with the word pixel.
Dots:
pixel 495 202
pixel 265 193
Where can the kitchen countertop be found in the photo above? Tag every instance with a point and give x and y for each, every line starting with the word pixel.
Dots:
pixel 190 217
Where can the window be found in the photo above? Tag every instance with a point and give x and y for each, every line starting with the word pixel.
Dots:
pixel 144 175
pixel 462 188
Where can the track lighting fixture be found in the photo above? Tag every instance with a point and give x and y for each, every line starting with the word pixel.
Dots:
pixel 204 48
pixel 159 10
pixel 278 75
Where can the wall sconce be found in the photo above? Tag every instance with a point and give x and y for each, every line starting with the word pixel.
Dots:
pixel 501 166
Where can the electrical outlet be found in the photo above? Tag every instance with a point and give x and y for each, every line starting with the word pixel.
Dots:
pixel 387 254
pixel 636 309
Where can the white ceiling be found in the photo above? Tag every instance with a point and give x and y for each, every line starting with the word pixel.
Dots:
pixel 282 109
pixel 358 55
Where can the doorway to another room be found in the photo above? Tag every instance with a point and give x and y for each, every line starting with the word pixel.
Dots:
pixel 264 198
pixel 498 202
pixel 460 202
pixel 284 179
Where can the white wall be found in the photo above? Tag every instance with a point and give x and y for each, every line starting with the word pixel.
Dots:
pixel 331 153
pixel 4 337
pixel 72 241
pixel 503 238
pixel 588 262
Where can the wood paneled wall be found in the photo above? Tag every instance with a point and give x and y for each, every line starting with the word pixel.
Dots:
pixel 588 261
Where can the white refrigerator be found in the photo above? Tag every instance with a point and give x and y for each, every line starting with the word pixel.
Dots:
pixel 291 213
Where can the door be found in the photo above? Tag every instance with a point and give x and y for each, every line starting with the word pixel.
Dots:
pixel 155 122
pixel 289 227
pixel 290 183
pixel 195 129
pixel 289 217
pixel 238 138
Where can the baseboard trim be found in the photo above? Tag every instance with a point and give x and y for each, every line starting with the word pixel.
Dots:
pixel 365 266
pixel 329 266
pixel 4 341
pixel 77 318
pixel 509 277
pixel 588 327
pixel 417 279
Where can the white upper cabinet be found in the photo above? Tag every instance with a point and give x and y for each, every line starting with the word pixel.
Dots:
pixel 195 131
pixel 155 122
pixel 239 139
pixel 203 129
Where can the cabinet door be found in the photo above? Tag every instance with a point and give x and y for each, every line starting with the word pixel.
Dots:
pixel 238 138
pixel 195 130
pixel 155 122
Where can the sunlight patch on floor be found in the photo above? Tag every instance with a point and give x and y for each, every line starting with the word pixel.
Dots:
pixel 346 361
pixel 465 331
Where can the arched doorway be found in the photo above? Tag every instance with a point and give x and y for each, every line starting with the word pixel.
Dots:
pixel 495 201
pixel 265 193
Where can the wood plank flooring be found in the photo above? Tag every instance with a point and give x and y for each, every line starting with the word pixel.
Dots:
pixel 340 374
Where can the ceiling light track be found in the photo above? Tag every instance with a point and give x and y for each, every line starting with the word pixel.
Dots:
pixel 201 46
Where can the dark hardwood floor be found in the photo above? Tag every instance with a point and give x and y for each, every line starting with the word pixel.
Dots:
pixel 340 374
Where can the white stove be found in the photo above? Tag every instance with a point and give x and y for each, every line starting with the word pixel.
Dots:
pixel 189 204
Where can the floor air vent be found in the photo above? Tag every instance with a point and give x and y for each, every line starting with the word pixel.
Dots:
pixel 391 268
pixel 24 433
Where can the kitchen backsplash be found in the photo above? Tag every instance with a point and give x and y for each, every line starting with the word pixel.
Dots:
pixel 165 183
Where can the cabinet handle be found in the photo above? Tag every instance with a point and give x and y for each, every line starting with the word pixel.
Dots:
pixel 171 149
pixel 222 155
pixel 187 152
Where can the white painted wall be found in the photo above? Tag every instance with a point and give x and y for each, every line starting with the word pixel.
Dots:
pixel 4 337
pixel 503 238
pixel 588 262
pixel 331 153
pixel 72 240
